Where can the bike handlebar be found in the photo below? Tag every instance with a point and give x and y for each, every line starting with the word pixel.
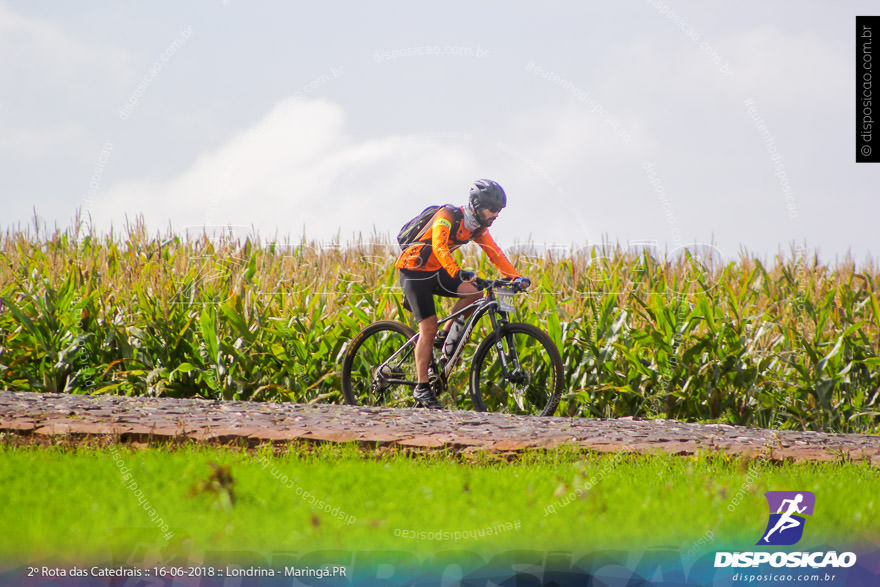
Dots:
pixel 493 283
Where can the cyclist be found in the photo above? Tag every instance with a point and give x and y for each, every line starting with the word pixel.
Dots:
pixel 427 267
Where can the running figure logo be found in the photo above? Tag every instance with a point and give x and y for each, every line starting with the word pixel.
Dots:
pixel 787 511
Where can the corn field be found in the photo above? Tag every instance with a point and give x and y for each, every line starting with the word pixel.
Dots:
pixel 792 344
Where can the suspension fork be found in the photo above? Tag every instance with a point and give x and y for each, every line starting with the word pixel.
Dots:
pixel 497 325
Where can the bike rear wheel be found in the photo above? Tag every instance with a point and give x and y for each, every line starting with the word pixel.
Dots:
pixel 363 382
pixel 533 389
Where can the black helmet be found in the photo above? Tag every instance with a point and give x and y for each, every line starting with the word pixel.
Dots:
pixel 486 193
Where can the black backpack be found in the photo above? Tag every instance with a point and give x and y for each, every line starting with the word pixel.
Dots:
pixel 415 228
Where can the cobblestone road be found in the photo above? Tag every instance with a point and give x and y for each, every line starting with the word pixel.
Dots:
pixel 143 419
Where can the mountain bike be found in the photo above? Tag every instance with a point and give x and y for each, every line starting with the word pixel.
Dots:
pixel 516 369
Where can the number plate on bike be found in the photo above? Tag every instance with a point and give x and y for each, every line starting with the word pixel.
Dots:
pixel 504 295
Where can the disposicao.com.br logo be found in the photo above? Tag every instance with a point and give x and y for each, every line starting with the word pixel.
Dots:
pixel 785 527
pixel 787 510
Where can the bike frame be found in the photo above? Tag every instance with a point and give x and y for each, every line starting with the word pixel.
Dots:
pixel 497 317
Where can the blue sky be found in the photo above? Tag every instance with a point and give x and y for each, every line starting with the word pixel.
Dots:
pixel 643 121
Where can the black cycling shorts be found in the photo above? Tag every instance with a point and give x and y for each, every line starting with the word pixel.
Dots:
pixel 419 288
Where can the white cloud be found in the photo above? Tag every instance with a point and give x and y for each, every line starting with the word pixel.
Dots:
pixel 298 169
pixel 295 169
pixel 570 175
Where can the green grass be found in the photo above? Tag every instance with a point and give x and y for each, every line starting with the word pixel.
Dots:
pixel 73 503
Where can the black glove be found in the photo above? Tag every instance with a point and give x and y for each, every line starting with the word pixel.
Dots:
pixel 523 282
pixel 464 275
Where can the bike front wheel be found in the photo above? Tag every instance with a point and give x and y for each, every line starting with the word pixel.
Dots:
pixel 533 382
pixel 368 377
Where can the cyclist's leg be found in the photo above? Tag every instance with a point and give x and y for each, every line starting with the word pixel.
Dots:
pixel 418 288
pixel 469 294
pixel 465 292
pixel 425 346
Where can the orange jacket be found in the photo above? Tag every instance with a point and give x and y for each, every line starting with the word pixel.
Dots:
pixel 434 249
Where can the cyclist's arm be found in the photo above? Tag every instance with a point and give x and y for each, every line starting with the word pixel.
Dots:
pixel 440 241
pixel 493 251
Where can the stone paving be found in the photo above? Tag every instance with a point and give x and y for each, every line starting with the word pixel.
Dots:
pixel 126 419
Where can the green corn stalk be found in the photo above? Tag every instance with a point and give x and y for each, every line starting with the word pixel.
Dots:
pixel 791 343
